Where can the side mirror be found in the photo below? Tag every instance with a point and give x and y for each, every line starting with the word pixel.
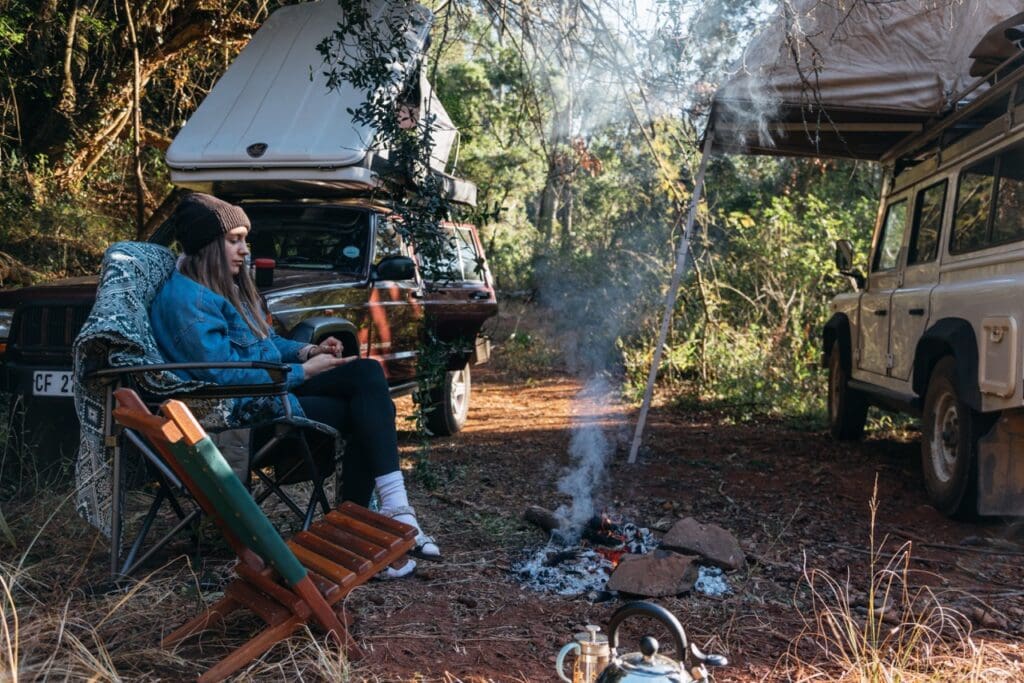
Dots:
pixel 844 263
pixel 844 255
pixel 395 268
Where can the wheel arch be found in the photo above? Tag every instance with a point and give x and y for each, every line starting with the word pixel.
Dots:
pixel 837 329
pixel 317 328
pixel 949 337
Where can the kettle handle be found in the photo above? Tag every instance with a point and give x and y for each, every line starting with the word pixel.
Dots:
pixel 646 609
pixel 560 660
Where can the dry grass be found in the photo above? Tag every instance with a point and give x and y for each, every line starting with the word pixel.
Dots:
pixel 61 620
pixel 896 631
pixel 308 659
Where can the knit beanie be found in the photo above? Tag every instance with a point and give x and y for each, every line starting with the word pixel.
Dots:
pixel 202 218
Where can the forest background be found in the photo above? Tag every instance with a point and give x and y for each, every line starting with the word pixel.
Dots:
pixel 580 124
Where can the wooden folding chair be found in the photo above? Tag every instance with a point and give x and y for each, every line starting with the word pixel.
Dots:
pixel 285 584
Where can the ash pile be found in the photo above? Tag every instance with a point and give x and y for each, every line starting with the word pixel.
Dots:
pixel 610 555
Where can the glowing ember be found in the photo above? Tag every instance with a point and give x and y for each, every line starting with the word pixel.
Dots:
pixel 567 568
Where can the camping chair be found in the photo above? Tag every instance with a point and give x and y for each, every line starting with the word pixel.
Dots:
pixel 285 584
pixel 169 487
pixel 114 349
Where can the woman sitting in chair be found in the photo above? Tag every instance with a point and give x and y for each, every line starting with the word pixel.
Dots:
pixel 209 310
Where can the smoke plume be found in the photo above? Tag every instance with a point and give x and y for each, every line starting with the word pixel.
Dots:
pixel 589 450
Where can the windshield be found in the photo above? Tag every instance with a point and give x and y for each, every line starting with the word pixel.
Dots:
pixel 314 237
pixel 310 237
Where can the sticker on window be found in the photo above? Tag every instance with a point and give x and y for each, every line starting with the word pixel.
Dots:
pixel 350 251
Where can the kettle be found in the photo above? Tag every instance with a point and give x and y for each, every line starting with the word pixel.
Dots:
pixel 647 665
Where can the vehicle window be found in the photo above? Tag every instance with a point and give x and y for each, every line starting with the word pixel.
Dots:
pixel 1008 223
pixel 973 203
pixel 446 266
pixel 470 264
pixel 892 236
pixel 310 237
pixel 924 241
pixel 389 243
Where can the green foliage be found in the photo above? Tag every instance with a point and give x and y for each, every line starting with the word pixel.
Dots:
pixel 66 158
pixel 524 355
pixel 57 238
pixel 747 332
pixel 488 94
pixel 10 35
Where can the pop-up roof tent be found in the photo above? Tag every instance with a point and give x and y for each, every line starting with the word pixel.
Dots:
pixel 271 125
pixel 856 80
pixel 861 80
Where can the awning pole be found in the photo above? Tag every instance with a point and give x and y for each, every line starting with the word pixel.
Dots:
pixel 682 254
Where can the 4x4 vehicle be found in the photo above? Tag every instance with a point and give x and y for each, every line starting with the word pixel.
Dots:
pixel 276 136
pixel 325 268
pixel 934 327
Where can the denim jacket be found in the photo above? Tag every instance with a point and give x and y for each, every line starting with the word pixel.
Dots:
pixel 192 323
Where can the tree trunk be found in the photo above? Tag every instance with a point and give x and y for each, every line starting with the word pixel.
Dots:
pixel 565 218
pixel 140 181
pixel 549 203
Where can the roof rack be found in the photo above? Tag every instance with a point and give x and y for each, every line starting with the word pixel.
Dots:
pixel 1002 86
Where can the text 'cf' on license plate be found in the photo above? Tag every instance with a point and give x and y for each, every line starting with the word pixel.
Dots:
pixel 52 383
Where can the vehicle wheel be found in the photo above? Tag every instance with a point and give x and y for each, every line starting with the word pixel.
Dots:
pixel 847 408
pixel 450 403
pixel 949 444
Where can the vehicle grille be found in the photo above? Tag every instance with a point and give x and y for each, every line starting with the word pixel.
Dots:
pixel 49 327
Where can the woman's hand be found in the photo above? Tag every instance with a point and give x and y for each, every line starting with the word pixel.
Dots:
pixel 329 346
pixel 321 363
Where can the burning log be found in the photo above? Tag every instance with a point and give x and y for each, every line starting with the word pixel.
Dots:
pixel 559 556
pixel 544 518
pixel 604 530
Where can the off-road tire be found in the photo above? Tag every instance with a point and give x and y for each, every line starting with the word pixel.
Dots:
pixel 950 430
pixel 847 408
pixel 450 403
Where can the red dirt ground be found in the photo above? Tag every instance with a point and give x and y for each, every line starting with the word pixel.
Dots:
pixel 793 498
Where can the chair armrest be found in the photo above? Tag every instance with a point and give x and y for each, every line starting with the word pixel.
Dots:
pixel 278 375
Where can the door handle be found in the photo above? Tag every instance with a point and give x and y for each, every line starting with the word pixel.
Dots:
pixel 916 311
pixel 881 312
pixel 480 296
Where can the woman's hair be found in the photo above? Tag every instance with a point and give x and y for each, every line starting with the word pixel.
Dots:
pixel 209 267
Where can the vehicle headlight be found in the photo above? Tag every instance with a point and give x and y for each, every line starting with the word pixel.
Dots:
pixel 6 316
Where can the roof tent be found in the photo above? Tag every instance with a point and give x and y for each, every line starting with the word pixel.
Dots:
pixel 270 123
pixel 854 80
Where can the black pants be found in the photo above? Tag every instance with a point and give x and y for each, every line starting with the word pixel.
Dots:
pixel 354 399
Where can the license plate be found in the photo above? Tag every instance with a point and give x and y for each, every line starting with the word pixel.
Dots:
pixel 52 383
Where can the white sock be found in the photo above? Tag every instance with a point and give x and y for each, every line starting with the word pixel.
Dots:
pixel 391 489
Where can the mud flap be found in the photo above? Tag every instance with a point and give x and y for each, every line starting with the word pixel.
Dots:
pixel 1001 467
pixel 481 351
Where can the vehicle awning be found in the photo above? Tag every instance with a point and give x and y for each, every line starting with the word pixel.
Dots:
pixel 853 79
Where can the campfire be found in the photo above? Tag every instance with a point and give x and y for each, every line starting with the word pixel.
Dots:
pixel 613 535
pixel 578 562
